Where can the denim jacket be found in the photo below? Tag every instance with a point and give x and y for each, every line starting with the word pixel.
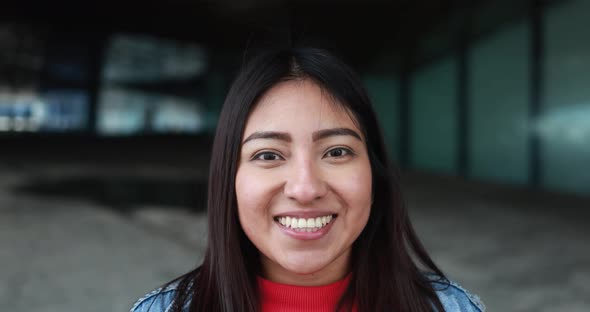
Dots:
pixel 453 297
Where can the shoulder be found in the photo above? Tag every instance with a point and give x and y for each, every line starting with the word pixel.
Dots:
pixel 159 300
pixel 455 298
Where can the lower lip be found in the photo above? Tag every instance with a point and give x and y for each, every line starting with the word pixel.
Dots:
pixel 306 235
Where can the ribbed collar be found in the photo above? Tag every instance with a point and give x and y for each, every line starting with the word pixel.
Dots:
pixel 287 298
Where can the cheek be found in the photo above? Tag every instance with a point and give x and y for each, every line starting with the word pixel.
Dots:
pixel 361 199
pixel 253 196
pixel 247 203
pixel 246 193
pixel 355 187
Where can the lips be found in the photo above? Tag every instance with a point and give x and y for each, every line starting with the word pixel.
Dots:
pixel 305 227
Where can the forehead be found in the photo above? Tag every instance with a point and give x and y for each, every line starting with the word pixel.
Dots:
pixel 299 105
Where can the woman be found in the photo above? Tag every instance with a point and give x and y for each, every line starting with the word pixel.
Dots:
pixel 304 213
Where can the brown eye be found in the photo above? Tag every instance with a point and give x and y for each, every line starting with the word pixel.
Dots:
pixel 267 156
pixel 338 152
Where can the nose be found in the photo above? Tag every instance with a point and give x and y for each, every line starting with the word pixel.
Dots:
pixel 305 183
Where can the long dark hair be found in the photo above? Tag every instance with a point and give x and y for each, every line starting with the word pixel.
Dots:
pixel 388 260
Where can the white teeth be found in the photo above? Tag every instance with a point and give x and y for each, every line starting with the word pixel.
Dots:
pixel 305 225
pixel 294 223
pixel 302 223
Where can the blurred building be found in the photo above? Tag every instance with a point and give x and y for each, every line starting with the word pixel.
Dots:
pixel 486 90
pixel 108 108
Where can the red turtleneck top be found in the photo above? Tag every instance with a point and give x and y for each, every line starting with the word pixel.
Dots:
pixel 290 298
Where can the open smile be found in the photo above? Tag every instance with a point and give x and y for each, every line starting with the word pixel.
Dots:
pixel 306 228
pixel 305 224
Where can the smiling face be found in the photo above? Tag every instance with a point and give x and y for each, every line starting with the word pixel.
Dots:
pixel 303 184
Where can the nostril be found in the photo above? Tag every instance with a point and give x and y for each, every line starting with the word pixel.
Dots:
pixel 305 190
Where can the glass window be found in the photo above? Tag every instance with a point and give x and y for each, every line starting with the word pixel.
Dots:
pixel 148 86
pixel 384 93
pixel 564 126
pixel 433 117
pixel 41 83
pixel 499 101
pixel 150 59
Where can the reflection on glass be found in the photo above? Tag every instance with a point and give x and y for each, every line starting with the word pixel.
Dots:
pixel 19 112
pixel 148 59
pixel 569 125
pixel 177 115
pixel 138 77
pixel 64 110
pixel 51 111
pixel 127 112
pixel 499 99
pixel 121 112
pixel 28 104
pixel 563 126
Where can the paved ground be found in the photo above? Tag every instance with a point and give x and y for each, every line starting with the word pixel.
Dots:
pixel 518 250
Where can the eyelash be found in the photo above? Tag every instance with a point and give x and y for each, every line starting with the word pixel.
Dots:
pixel 346 152
pixel 258 156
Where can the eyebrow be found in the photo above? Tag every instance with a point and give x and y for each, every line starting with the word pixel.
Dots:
pixel 282 136
pixel 318 135
pixel 322 134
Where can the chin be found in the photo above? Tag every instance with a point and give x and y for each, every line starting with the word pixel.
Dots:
pixel 304 266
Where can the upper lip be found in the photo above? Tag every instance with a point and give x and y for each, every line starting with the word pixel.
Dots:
pixel 305 214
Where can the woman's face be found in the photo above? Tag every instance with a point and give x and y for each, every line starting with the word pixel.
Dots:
pixel 303 184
